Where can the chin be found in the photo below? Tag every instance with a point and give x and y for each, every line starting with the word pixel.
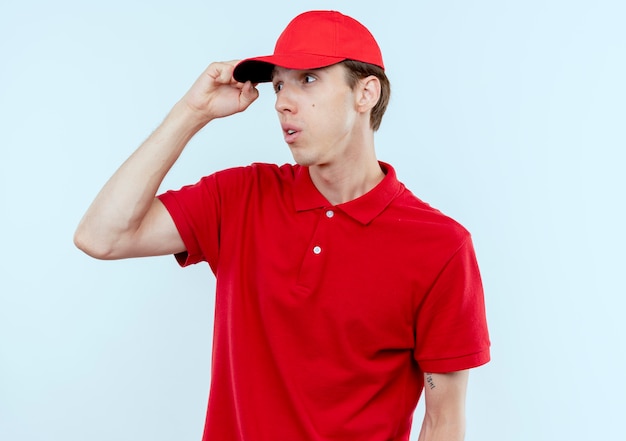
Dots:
pixel 303 160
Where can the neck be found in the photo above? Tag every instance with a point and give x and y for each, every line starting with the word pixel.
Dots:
pixel 348 180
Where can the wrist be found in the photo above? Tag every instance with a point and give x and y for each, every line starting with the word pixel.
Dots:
pixel 186 118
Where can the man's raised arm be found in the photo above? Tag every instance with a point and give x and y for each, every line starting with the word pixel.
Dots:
pixel 125 219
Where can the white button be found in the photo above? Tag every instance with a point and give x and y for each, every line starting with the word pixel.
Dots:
pixel 317 250
pixel 330 213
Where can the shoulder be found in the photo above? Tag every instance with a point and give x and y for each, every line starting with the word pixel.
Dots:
pixel 234 184
pixel 257 184
pixel 427 220
pixel 243 178
pixel 256 172
pixel 407 209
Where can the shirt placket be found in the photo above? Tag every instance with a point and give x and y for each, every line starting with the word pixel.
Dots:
pixel 317 253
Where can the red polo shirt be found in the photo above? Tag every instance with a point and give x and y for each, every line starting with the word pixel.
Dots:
pixel 327 316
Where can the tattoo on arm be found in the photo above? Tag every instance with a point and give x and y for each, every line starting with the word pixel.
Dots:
pixel 429 380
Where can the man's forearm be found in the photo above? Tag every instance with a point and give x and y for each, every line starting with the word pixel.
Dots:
pixel 442 430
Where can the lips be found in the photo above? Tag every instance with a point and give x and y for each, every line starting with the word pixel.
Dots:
pixel 290 133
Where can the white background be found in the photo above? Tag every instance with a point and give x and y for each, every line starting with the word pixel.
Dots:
pixel 507 115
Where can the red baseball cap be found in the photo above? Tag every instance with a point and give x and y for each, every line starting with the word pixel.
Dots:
pixel 313 40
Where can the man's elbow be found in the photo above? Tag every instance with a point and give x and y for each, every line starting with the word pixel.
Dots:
pixel 88 243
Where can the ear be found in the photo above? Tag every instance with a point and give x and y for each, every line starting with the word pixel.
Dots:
pixel 368 93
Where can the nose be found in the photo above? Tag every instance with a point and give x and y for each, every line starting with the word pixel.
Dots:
pixel 285 100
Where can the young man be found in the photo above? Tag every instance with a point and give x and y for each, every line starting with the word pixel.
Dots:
pixel 339 293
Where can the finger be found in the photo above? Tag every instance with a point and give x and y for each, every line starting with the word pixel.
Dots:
pixel 249 94
pixel 233 64
pixel 221 73
pixel 228 71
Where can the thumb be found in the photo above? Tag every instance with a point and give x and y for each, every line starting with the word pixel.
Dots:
pixel 248 95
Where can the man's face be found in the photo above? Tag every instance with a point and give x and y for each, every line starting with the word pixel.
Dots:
pixel 317 113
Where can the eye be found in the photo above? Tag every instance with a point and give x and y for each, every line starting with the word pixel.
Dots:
pixel 278 87
pixel 309 78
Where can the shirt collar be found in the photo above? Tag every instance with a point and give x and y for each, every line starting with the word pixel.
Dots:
pixel 363 209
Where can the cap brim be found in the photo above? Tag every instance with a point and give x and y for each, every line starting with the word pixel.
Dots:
pixel 260 69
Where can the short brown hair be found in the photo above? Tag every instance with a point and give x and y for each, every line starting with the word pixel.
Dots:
pixel 358 70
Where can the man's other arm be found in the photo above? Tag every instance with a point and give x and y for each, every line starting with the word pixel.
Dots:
pixel 444 418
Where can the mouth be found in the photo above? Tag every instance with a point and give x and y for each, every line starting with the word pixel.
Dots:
pixel 290 134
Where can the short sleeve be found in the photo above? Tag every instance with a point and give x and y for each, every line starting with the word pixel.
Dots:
pixel 195 210
pixel 451 327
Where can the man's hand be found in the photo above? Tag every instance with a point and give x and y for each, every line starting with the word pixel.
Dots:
pixel 215 94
